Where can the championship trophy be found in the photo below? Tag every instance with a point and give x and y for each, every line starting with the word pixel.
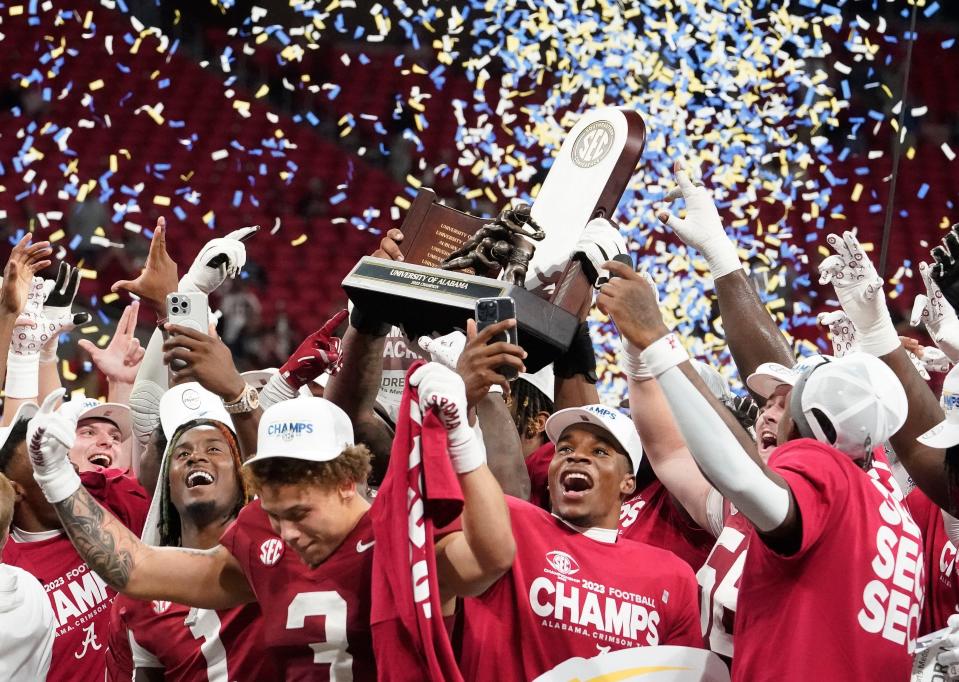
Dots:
pixel 452 258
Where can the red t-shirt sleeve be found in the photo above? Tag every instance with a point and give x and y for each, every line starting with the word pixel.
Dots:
pixel 122 495
pixel 685 628
pixel 819 484
pixel 237 542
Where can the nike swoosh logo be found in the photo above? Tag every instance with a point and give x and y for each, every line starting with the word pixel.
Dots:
pixel 363 546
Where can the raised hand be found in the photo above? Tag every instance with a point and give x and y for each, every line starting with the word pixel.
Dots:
pixel 702 228
pixel 121 358
pixel 218 259
pixel 859 290
pixel 445 349
pixel 945 269
pixel 630 299
pixel 599 242
pixel 50 435
pixel 479 363
pixel 938 316
pixel 204 358
pixel 158 277
pixel 319 352
pixel 25 261
pixel 841 331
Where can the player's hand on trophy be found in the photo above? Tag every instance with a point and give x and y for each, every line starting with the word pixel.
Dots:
pixel 630 299
pixel 480 362
pixel 702 228
pixel 390 246
pixel 445 349
pixel 159 275
pixel 939 318
pixel 600 241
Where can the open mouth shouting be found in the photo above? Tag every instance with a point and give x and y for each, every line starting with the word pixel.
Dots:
pixel 575 484
pixel 199 477
pixel 100 459
pixel 767 439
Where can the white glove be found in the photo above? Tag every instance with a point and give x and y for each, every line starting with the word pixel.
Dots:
pixel 934 360
pixel 702 228
pixel 950 658
pixel 933 310
pixel 57 312
pixel 445 350
pixel 599 242
pixel 201 277
pixel 841 331
pixel 50 436
pixel 859 290
pixel 441 388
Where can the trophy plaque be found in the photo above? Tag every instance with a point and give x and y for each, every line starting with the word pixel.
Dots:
pixel 551 293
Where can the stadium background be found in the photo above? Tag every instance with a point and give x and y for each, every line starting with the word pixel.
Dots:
pixel 317 121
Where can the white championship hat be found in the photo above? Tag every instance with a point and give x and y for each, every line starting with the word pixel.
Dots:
pixel 311 428
pixel 188 402
pixel 619 426
pixel 91 408
pixel 945 434
pixel 857 395
pixel 25 412
pixel 771 375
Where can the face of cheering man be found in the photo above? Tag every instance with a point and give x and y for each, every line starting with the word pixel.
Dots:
pixel 204 482
pixel 98 444
pixel 589 477
pixel 768 420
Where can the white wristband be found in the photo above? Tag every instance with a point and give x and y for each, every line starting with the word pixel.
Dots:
pixel 276 391
pixel 23 376
pixel 722 258
pixel 58 484
pixel 881 339
pixel 467 452
pixel 632 362
pixel 664 353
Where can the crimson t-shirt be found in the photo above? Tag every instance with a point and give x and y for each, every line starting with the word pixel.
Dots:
pixel 942 591
pixel 537 466
pixel 568 595
pixel 312 618
pixel 652 516
pixel 80 598
pixel 847 604
pixel 192 644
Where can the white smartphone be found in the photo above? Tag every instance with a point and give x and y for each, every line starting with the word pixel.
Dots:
pixel 188 309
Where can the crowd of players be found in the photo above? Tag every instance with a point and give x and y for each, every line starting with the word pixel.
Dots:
pixel 306 523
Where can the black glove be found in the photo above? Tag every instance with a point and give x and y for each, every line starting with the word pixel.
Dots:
pixel 579 359
pixel 366 322
pixel 945 269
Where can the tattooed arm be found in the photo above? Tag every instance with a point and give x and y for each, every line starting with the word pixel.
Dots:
pixel 208 579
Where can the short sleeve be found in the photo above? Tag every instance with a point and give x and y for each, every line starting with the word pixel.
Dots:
pixel 237 542
pixel 818 477
pixel 685 628
pixel 141 657
pixel 127 500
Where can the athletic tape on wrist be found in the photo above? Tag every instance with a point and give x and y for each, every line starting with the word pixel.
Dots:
pixel 664 353
pixel 23 376
pixel 632 362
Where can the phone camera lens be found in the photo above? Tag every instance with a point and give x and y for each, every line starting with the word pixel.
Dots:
pixel 176 309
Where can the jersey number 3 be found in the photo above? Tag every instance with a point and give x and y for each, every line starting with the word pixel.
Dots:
pixel 333 650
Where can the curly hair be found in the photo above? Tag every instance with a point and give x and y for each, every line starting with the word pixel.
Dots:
pixel 353 464
pixel 526 401
pixel 170 529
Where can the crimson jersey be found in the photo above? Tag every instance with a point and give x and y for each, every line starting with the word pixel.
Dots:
pixel 846 605
pixel 569 595
pixel 719 580
pixel 312 618
pixel 191 644
pixel 537 466
pixel 80 598
pixel 942 591
pixel 652 516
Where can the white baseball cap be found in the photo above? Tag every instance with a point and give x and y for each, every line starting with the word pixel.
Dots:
pixel 715 382
pixel 91 408
pixel 771 375
pixel 858 394
pixel 945 434
pixel 188 402
pixel 307 428
pixel 619 426
pixel 25 412
pixel 544 380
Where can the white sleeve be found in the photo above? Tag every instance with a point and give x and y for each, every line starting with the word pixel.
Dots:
pixel 720 456
pixel 141 657
pixel 952 527
pixel 714 512
pixel 150 385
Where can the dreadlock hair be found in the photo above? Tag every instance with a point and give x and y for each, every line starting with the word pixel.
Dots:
pixel 17 435
pixel 526 402
pixel 170 530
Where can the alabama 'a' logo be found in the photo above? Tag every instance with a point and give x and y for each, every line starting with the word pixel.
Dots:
pixel 271 551
pixel 562 562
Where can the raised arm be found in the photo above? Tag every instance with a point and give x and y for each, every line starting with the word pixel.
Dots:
pixel 209 579
pixel 721 447
pixel 121 358
pixel 751 333
pixel 471 560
